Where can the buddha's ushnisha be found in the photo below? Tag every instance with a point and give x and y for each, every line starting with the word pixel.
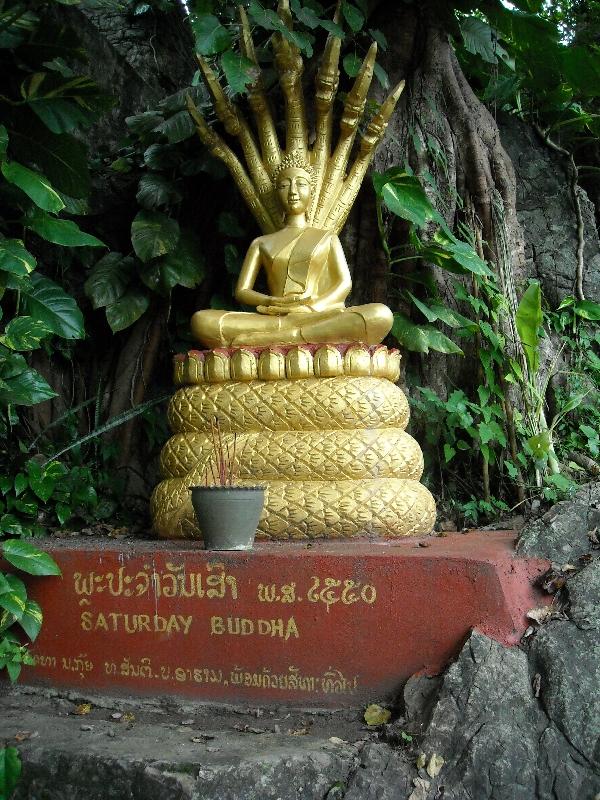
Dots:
pixel 301 199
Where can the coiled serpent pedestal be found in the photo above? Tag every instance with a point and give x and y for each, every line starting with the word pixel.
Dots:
pixel 331 451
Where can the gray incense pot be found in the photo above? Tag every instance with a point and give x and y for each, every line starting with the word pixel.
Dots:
pixel 228 515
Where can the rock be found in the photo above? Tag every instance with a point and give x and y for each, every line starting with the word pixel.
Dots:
pixel 494 735
pixel 568 662
pixel 485 725
pixel 584 596
pixel 562 533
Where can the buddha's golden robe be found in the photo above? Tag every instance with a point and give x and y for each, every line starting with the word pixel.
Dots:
pixel 309 280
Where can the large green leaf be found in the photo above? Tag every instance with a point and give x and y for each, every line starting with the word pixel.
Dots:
pixel 453 255
pixel 353 16
pixel 587 309
pixel 422 338
pixel 48 302
pixel 108 279
pixel 14 258
pixel 29 559
pixel 239 71
pixel 61 157
pixel 13 595
pixel 404 196
pixel 59 231
pixel 24 333
pixel 185 265
pixel 529 321
pixel 177 128
pixel 31 620
pixel 21 385
pixel 153 234
pixel 155 190
pixel 33 184
pixel 480 39
pixel 211 36
pixel 581 67
pixel 127 310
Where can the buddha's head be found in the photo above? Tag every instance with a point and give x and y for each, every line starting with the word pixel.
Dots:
pixel 293 183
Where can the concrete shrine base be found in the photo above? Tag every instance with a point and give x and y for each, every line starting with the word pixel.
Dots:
pixel 324 624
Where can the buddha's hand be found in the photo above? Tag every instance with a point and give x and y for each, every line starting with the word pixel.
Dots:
pixel 273 311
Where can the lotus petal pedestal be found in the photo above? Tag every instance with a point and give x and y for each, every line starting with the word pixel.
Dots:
pixel 320 426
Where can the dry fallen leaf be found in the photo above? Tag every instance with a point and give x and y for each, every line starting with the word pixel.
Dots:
pixel 83 709
pixel 377 715
pixel 436 762
pixel 421 760
pixel 128 717
pixel 24 735
pixel 420 790
pixel 299 731
pixel 540 615
pixel 337 740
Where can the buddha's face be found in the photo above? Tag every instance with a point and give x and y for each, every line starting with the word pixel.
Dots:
pixel 294 190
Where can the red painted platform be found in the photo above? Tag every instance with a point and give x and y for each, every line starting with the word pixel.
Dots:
pixel 329 623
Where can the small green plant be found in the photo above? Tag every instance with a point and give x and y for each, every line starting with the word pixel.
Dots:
pixel 10 771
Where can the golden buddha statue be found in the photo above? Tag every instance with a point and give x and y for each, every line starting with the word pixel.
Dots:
pixel 307 275
pixel 302 381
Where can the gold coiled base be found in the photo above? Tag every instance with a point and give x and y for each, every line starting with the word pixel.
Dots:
pixel 331 451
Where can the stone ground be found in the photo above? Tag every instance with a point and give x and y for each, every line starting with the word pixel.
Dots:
pixel 518 723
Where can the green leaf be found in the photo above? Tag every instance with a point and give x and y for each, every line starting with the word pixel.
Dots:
pixel 155 190
pixel 449 453
pixel 404 196
pixel 10 771
pixel 14 258
pixel 153 234
pixel 14 598
pixel 177 128
pixel 353 16
pixel 21 385
pixel 61 157
pixel 48 302
pixel 529 321
pixel 540 444
pixel 185 265
pixel 59 231
pixel 144 123
pixel 511 469
pixel 587 309
pixel 211 36
pixel 29 559
pixel 127 310
pixel 239 71
pixel 451 254
pixel 479 38
pixel 581 67
pixel 422 338
pixel 24 333
pixel 352 64
pixel 63 512
pixel 381 76
pixel 31 620
pixel 33 184
pixel 108 279
pixel 491 432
